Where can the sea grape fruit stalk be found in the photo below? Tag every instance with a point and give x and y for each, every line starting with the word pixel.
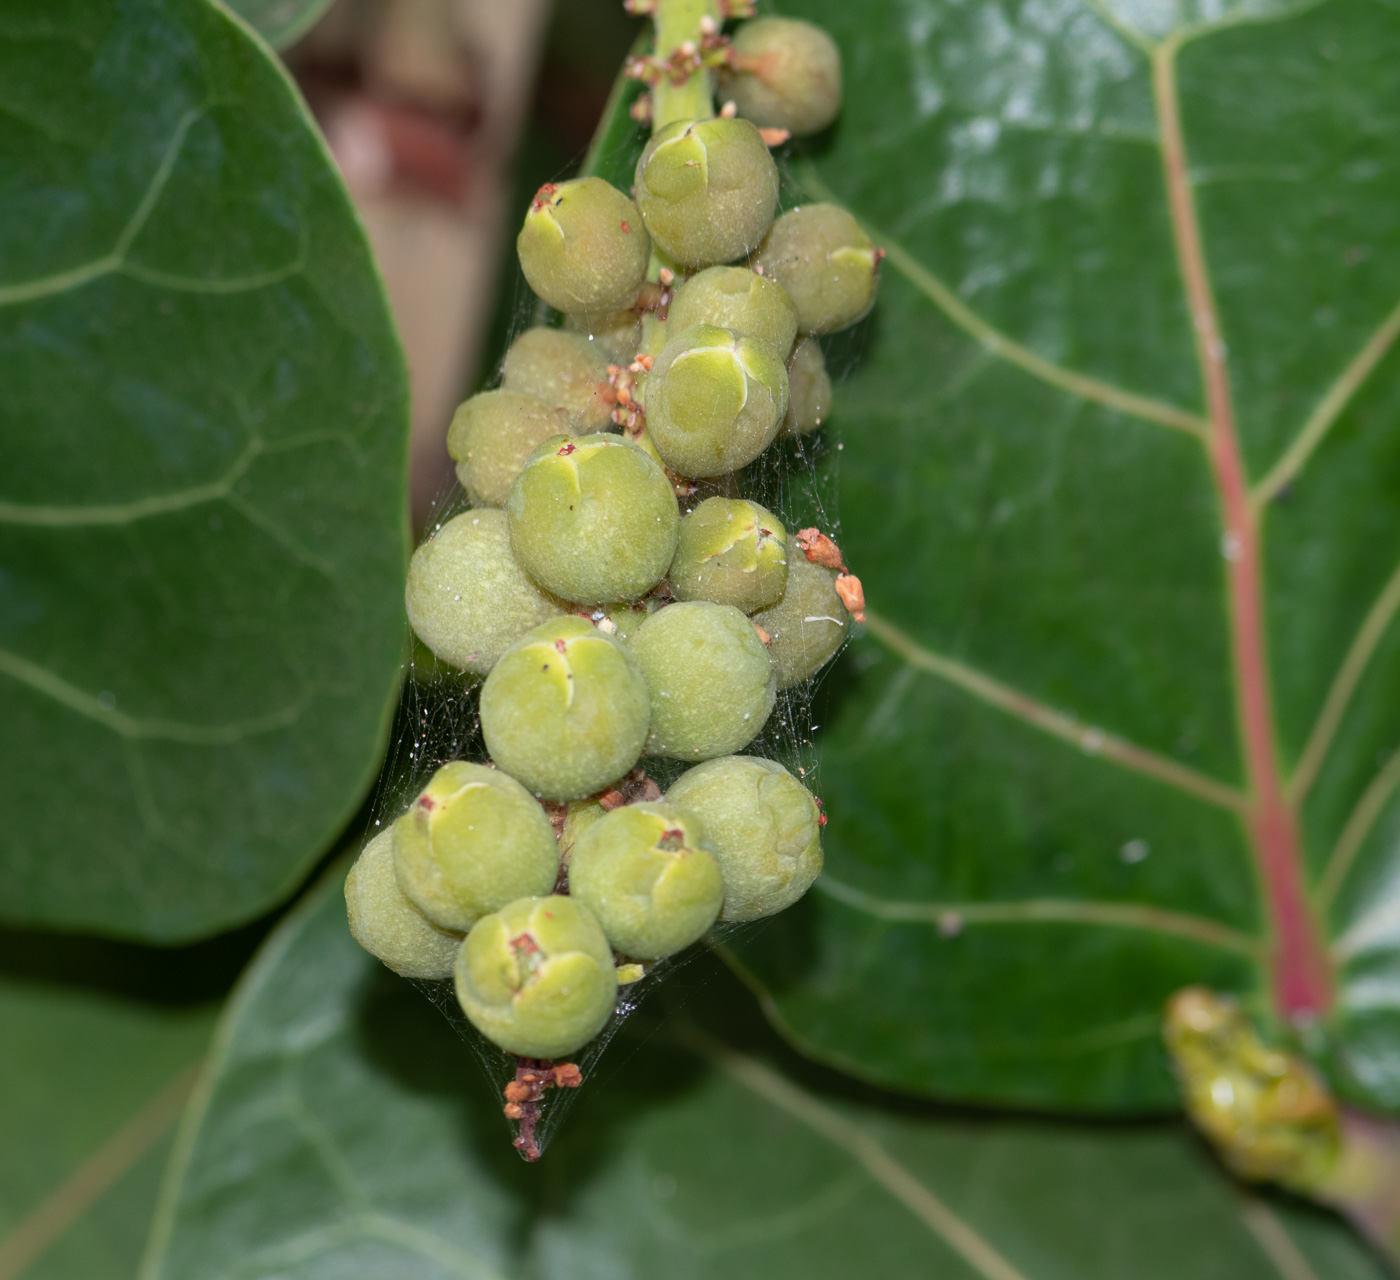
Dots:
pixel 714 401
pixel 739 300
pixel 593 521
pixel 387 925
pixel 579 815
pixel 472 841
pixel 807 625
pixel 563 370
pixel 809 388
pixel 646 872
pixel 565 710
pixel 764 827
pixel 707 189
pixel 537 977
pixel 491 436
pixel 731 551
pixel 467 599
pixel 583 246
pixel 1266 1111
pixel 787 75
pixel 712 685
pixel 828 266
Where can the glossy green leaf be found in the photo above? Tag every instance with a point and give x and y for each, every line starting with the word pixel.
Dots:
pixel 347 1132
pixel 202 476
pixel 99 1047
pixel 280 22
pixel 1120 477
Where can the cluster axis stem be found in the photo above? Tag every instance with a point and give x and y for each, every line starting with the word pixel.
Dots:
pixel 1301 972
pixel 678 22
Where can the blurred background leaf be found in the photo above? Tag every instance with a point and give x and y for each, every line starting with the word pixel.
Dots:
pixel 346 1131
pixel 100 1045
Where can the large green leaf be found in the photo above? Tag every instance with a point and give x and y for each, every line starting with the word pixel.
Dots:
pixel 202 459
pixel 99 1047
pixel 346 1132
pixel 1120 476
pixel 280 22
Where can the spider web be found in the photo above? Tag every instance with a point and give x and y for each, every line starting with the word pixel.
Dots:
pixel 796 479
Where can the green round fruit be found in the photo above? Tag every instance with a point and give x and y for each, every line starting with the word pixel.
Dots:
pixel 764 827
pixel 473 840
pixel 647 874
pixel 537 977
pixel 807 625
pixel 739 300
pixel 387 925
pixel 615 335
pixel 584 246
pixel 593 521
pixel 707 190
pixel 468 600
pixel 809 388
pixel 491 436
pixel 563 370
pixel 828 266
pixel 565 710
pixel 730 551
pixel 711 683
pixel 789 76
pixel 714 401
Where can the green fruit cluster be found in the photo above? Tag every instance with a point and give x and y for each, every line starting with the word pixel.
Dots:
pixel 614 611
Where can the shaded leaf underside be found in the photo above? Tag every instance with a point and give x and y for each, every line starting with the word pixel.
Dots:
pixel 344 1131
pixel 202 523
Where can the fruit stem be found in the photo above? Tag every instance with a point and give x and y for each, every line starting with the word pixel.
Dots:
pixel 680 23
pixel 1364 1184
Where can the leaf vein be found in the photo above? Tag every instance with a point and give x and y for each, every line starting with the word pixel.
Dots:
pixel 842 1133
pixel 1113 915
pixel 1057 724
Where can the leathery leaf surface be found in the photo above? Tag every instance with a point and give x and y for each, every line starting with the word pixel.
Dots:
pixel 202 475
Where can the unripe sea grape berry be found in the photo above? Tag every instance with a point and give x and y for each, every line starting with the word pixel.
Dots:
pixel 807 625
pixel 468 600
pixel 565 710
pixel 712 685
pixel 563 370
pixel 615 335
pixel 647 874
pixel 809 388
pixel 714 401
pixel 739 300
pixel 764 827
pixel 828 266
pixel 593 521
pixel 583 247
pixel 537 977
pixel 788 75
pixel 707 189
pixel 731 551
pixel 473 840
pixel 387 925
pixel 491 436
